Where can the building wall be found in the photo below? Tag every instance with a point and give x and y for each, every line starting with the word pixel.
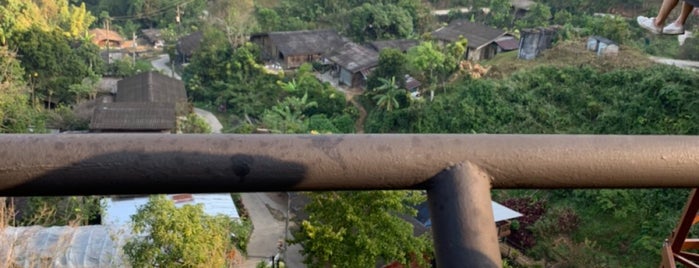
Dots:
pixel 268 52
pixel 592 44
pixel 358 80
pixel 345 77
pixel 292 62
pixel 608 50
pixel 533 41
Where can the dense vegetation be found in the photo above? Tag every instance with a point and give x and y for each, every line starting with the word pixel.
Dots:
pixel 45 56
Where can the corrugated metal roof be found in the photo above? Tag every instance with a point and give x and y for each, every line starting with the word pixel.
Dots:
pixel 118 211
pixel 354 57
pixel 150 87
pixel 134 116
pixel 477 34
pixel 507 43
pixel 306 42
pixel 62 246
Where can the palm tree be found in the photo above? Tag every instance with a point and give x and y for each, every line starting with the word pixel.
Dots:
pixel 388 100
pixel 387 94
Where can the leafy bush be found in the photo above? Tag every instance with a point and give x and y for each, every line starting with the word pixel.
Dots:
pixel 532 210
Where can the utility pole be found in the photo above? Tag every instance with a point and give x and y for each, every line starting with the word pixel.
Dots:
pixel 109 55
pixel 179 26
pixel 135 46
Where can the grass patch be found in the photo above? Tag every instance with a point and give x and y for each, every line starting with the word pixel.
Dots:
pixel 565 54
pixel 267 3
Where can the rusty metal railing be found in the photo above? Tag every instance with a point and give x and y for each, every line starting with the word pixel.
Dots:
pixel 456 170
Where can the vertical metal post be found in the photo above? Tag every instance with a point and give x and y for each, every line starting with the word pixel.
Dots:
pixel 462 218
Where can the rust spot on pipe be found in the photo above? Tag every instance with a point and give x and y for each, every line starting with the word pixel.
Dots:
pixel 241 165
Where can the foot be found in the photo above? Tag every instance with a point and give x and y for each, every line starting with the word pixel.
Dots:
pixel 673 29
pixel 649 24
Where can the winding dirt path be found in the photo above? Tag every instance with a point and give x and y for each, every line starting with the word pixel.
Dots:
pixel 359 125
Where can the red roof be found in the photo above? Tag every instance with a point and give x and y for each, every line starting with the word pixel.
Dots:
pixel 508 43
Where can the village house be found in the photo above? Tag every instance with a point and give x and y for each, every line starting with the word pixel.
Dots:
pixel 291 49
pixel 535 40
pixel 187 45
pixel 484 42
pixel 602 46
pixel 151 87
pixel 146 102
pixel 133 117
pixel 102 38
pixel 352 64
pixel 154 37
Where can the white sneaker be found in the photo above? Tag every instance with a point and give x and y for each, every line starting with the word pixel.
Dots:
pixel 649 24
pixel 673 29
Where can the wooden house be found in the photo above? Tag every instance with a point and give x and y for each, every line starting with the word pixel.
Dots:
pixel 150 87
pixel 134 117
pixel 154 37
pixel 292 49
pixel 353 63
pixel 482 39
pixel 146 102
pixel 187 45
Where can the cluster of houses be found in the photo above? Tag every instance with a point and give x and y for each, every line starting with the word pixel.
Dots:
pixel 116 47
pixel 351 63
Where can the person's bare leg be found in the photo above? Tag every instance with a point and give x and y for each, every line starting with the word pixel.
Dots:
pixel 686 10
pixel 664 11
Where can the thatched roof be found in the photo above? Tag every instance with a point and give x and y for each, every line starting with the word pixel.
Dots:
pixel 477 34
pixel 99 35
pixel 150 87
pixel 306 42
pixel 189 43
pixel 354 57
pixel 402 44
pixel 134 116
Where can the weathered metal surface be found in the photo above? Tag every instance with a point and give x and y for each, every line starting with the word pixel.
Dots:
pixel 149 163
pixel 462 218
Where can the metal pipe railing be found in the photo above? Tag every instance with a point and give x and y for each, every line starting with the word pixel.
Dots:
pixel 456 170
pixel 88 164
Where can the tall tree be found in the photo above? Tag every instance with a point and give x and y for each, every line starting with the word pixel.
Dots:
pixel 379 21
pixel 500 14
pixel 538 15
pixel 426 61
pixel 359 229
pixel 47 15
pixel 288 116
pixel 16 115
pixel 387 94
pixel 57 61
pixel 167 236
pixel 392 63
pixel 235 18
